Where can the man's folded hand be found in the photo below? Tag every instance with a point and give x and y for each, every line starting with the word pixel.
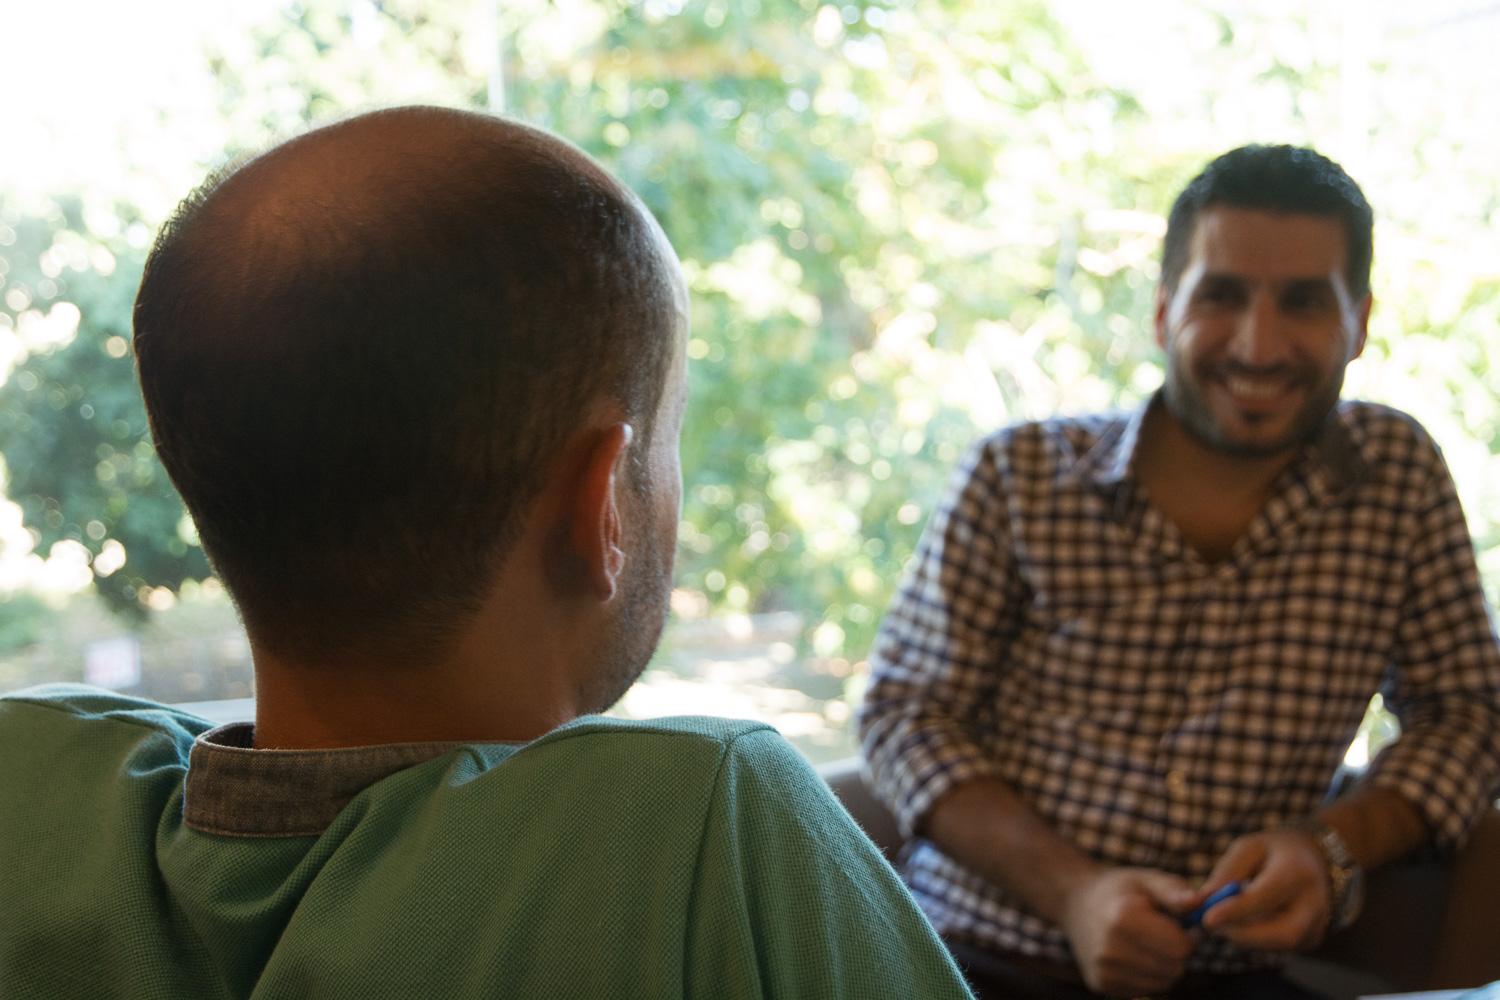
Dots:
pixel 1123 925
pixel 1286 900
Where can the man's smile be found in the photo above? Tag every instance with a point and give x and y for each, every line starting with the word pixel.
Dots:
pixel 1258 394
pixel 1257 389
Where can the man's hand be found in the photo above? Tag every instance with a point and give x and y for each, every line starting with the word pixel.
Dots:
pixel 1286 902
pixel 1125 934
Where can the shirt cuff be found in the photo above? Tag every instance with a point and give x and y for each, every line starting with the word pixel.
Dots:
pixel 913 786
pixel 1450 782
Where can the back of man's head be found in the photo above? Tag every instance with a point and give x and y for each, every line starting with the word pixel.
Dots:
pixel 1281 179
pixel 360 350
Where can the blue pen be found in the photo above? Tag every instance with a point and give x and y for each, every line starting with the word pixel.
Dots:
pixel 1196 917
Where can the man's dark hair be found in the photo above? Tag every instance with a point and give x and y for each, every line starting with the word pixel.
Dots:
pixel 361 350
pixel 1274 179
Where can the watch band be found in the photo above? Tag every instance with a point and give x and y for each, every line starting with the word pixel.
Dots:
pixel 1345 878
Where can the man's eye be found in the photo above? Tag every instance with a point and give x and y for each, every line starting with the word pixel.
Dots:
pixel 1219 295
pixel 1308 300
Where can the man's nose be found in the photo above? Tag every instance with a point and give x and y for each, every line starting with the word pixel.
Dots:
pixel 1261 338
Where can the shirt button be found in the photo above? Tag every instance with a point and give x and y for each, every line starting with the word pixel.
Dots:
pixel 1176 782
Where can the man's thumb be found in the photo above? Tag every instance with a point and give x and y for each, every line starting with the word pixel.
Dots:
pixel 1168 891
pixel 1238 863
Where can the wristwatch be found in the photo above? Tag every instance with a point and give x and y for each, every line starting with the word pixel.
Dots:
pixel 1346 878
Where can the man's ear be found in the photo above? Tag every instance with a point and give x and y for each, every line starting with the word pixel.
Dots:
pixel 595 531
pixel 1163 303
pixel 1362 326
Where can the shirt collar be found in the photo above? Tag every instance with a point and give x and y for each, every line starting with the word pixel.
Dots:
pixel 1111 460
pixel 235 790
pixel 1340 449
pixel 1336 449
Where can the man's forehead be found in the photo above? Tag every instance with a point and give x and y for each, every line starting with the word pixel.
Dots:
pixel 1254 243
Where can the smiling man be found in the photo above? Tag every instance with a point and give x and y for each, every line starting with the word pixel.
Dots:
pixel 1260 326
pixel 1133 649
pixel 419 376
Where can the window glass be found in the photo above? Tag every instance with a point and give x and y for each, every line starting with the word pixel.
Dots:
pixel 905 224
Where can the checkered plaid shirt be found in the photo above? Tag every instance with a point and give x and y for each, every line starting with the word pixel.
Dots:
pixel 1055 631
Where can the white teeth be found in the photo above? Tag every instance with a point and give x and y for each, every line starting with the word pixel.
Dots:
pixel 1256 388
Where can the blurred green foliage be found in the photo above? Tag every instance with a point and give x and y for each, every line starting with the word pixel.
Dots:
pixel 24 622
pixel 868 231
pixel 78 456
pixel 905 222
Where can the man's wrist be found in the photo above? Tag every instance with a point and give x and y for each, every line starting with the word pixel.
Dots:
pixel 1074 882
pixel 987 828
pixel 1346 880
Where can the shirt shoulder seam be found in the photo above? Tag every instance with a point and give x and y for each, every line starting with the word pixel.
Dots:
pixel 122 715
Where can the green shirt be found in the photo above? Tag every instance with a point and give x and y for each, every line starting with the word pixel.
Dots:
pixel 688 857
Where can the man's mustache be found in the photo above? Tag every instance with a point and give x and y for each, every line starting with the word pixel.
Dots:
pixel 1283 370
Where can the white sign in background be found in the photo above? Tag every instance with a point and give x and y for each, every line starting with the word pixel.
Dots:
pixel 113 663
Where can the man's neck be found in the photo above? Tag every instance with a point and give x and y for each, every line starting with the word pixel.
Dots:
pixel 512 674
pixel 1210 495
pixel 1171 450
pixel 316 706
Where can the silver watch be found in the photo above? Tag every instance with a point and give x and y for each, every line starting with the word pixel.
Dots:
pixel 1346 878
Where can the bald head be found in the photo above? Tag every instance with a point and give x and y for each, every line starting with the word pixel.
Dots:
pixel 361 348
pixel 387 178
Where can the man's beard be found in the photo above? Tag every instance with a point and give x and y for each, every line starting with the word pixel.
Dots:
pixel 644 598
pixel 1185 401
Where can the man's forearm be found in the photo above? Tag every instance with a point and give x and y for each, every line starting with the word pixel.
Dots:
pixel 1377 824
pixel 988 829
pixel 1120 922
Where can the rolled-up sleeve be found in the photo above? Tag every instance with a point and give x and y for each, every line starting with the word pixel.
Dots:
pixel 937 658
pixel 1446 680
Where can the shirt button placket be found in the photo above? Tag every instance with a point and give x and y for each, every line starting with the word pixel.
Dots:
pixel 1195 655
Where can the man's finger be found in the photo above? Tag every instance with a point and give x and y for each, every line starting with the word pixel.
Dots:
pixel 1169 892
pixel 1294 928
pixel 1244 910
pixel 1158 929
pixel 1159 935
pixel 1283 881
pixel 1135 979
pixel 1244 859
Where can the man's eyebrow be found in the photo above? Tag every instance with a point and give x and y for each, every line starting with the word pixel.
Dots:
pixel 1297 281
pixel 1223 278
